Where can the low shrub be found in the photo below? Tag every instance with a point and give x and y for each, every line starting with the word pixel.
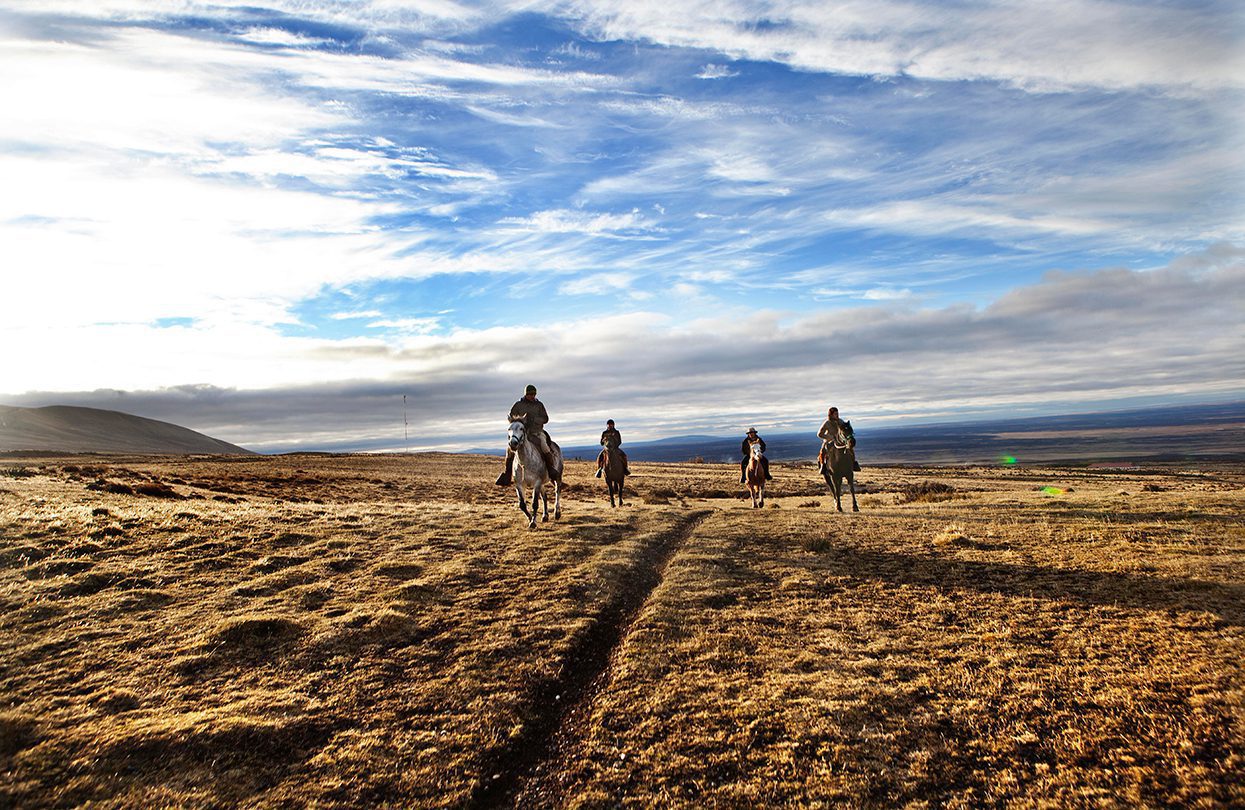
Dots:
pixel 927 491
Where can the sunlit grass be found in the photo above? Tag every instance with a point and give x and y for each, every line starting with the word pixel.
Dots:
pixel 386 630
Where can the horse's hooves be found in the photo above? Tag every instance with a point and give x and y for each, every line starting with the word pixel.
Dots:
pixel 855 508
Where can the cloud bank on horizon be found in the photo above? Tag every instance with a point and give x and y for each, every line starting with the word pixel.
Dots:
pixel 269 221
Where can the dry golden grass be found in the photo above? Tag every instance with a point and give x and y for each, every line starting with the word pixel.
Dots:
pixel 348 631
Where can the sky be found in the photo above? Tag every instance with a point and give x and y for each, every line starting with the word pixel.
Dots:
pixel 271 221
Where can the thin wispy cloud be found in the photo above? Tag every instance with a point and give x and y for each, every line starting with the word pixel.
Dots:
pixel 230 203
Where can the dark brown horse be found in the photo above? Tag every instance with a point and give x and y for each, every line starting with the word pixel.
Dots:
pixel 839 456
pixel 615 473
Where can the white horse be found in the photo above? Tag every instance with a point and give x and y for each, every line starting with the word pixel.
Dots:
pixel 529 470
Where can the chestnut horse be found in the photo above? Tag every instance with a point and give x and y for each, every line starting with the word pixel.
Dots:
pixel 756 474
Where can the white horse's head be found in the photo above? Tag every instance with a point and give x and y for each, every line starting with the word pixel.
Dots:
pixel 755 449
pixel 515 435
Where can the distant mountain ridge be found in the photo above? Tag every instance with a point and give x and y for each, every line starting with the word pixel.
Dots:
pixel 1207 432
pixel 71 429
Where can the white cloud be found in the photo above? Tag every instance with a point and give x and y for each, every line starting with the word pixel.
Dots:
pixel 712 71
pixel 567 221
pixel 1073 337
pixel 1044 47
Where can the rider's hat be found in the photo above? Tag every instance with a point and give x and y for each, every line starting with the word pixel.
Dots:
pixel 752 430
pixel 531 389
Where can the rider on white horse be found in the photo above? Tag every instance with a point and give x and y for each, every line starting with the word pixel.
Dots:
pixel 835 429
pixel 531 412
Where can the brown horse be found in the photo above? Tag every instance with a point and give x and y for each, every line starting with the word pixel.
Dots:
pixel 755 476
pixel 839 455
pixel 615 473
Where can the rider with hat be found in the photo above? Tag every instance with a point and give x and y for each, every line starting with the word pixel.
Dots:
pixel 746 449
pixel 531 412
pixel 610 440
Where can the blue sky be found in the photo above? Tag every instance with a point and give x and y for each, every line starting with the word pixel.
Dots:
pixel 269 222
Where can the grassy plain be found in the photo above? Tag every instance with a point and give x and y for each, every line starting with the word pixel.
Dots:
pixel 364 630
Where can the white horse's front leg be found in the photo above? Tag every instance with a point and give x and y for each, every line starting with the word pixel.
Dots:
pixel 518 488
pixel 535 505
pixel 557 500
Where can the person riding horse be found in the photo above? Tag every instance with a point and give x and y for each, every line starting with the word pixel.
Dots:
pixel 835 429
pixel 531 412
pixel 611 440
pixel 746 449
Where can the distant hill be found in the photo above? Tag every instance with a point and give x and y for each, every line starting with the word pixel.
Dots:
pixel 67 429
pixel 1203 432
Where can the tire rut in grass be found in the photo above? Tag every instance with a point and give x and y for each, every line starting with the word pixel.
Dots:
pixel 525 770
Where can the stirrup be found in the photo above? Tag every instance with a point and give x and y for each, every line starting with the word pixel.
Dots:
pixel 599 471
pixel 504 480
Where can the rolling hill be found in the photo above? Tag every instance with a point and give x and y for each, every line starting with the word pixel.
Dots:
pixel 68 429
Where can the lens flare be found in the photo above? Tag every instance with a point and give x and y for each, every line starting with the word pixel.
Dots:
pixel 1052 490
pixel 1008 460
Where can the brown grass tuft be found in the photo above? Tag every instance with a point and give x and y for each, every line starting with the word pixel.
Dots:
pixel 926 491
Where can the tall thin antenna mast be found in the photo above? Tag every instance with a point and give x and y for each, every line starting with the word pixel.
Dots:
pixel 406 437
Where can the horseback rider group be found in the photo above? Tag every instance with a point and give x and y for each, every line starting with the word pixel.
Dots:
pixel 531 412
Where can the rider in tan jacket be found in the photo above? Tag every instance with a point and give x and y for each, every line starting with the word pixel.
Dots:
pixel 830 430
pixel 531 412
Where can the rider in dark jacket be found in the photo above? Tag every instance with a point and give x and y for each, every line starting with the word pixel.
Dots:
pixel 531 412
pixel 611 440
pixel 746 448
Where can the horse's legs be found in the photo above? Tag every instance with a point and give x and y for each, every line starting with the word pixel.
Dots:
pixel 535 504
pixel 851 482
pixel 837 486
pixel 557 499
pixel 518 487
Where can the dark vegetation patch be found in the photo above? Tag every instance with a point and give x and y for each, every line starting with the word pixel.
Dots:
pixel 21 556
pixel 926 492
pixel 115 487
pixel 157 489
pixel 255 633
pixel 816 543
pixel 96 581
pixel 17 731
